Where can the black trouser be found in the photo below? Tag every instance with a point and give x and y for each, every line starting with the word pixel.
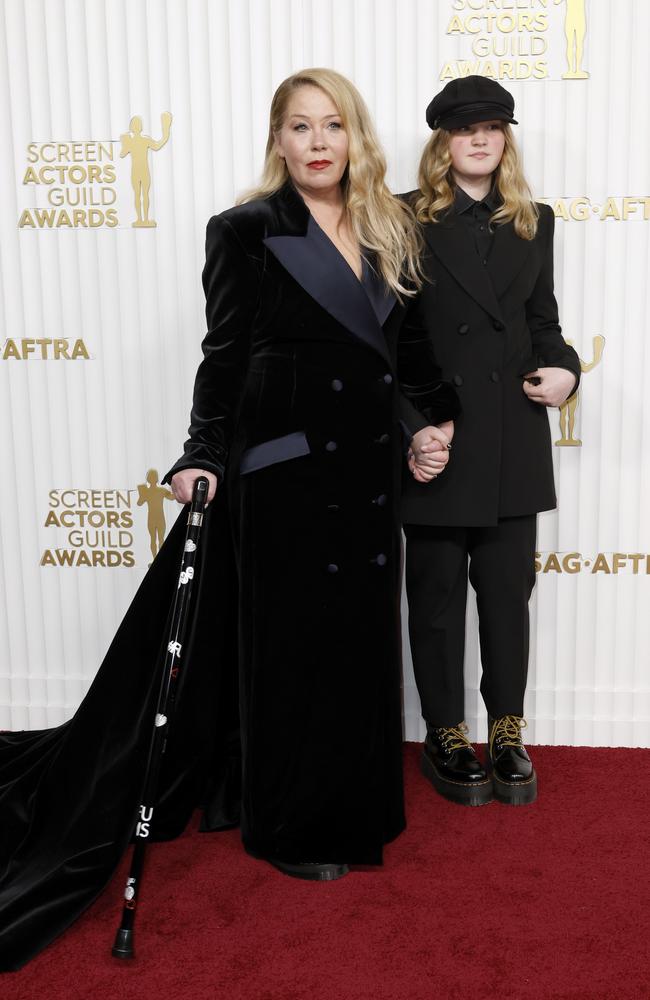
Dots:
pixel 502 572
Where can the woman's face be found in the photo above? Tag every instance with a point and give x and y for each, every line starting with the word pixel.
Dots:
pixel 313 142
pixel 476 150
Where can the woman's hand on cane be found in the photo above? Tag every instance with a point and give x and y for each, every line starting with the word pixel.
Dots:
pixel 182 484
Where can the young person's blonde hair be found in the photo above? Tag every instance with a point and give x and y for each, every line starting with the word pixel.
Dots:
pixel 382 223
pixel 437 185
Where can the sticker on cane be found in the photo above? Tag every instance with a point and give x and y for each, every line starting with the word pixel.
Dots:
pixel 195 519
pixel 190 546
pixel 129 892
pixel 160 720
pixel 186 576
pixel 175 648
pixel 142 829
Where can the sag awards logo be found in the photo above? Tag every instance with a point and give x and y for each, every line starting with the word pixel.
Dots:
pixel 620 208
pixel 569 407
pixel 518 39
pixel 76 185
pixel 603 563
pixel 43 349
pixel 101 528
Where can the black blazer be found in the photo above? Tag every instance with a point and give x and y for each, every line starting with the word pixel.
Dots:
pixel 275 286
pixel 490 324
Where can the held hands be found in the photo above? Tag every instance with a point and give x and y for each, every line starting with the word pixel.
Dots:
pixel 183 483
pixel 429 451
pixel 554 386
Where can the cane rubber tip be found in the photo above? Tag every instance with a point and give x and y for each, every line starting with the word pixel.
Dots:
pixel 123 947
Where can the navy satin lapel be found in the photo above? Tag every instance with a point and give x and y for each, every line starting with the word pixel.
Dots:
pixel 381 299
pixel 453 246
pixel 508 255
pixel 319 268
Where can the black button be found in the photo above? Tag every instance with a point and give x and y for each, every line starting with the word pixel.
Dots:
pixel 463 328
pixel 384 439
pixel 333 506
pixel 380 560
pixel 482 228
pixel 495 377
pixel 331 446
pixel 484 261
pixel 336 384
pixel 332 568
pixel 498 325
pixel 388 379
pixel 381 500
pixel 457 380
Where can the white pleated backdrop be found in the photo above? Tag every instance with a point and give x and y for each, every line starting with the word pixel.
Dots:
pixel 128 302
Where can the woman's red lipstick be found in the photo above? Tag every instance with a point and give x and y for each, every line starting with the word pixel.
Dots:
pixel 319 164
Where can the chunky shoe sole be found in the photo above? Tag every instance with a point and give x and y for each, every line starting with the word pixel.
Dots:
pixel 312 872
pixel 514 793
pixel 463 793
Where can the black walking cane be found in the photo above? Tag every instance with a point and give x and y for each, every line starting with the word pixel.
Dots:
pixel 123 946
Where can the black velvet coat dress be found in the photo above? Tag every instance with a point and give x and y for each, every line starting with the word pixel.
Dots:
pixel 308 380
pixel 306 375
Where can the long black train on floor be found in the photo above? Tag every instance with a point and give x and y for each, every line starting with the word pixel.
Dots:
pixel 69 795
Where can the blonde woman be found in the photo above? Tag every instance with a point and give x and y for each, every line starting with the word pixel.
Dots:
pixel 311 370
pixel 488 303
pixel 308 371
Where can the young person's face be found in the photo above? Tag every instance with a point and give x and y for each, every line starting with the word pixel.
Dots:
pixel 313 141
pixel 476 150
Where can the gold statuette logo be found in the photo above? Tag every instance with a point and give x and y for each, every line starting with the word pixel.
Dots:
pixel 137 146
pixel 96 528
pixel 575 29
pixel 154 496
pixel 569 407
pixel 515 39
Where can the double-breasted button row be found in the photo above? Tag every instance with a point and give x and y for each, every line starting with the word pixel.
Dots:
pixel 331 446
pixel 463 329
pixel 379 560
pixel 493 376
pixel 337 384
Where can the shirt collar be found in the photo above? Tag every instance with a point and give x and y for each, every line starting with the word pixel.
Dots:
pixel 463 201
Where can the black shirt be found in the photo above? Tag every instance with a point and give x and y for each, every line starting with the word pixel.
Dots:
pixel 475 217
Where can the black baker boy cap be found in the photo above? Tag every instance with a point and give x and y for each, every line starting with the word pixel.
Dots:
pixel 468 100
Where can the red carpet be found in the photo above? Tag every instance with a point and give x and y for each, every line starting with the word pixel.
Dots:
pixel 544 901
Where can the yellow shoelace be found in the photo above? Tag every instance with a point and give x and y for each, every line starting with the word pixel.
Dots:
pixel 454 737
pixel 507 731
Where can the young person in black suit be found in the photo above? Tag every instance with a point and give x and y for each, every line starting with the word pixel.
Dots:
pixel 488 303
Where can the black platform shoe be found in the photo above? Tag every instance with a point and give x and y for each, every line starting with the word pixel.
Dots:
pixel 308 870
pixel 513 775
pixel 451 765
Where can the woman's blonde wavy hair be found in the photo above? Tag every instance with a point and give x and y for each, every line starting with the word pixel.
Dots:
pixel 437 185
pixel 382 223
